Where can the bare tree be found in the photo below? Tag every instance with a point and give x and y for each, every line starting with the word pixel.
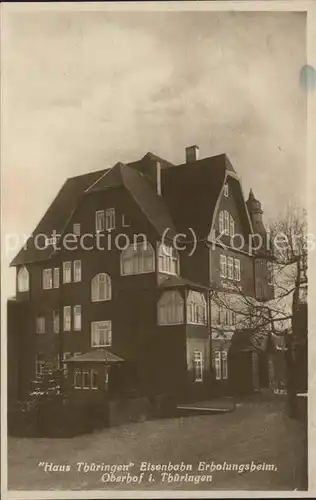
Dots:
pixel 285 253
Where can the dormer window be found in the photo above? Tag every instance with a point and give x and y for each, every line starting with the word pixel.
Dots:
pixel 168 260
pixel 23 280
pixel 226 189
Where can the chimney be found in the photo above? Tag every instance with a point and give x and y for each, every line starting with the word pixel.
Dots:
pixel 158 170
pixel 192 154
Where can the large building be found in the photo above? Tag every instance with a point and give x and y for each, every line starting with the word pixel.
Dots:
pixel 120 276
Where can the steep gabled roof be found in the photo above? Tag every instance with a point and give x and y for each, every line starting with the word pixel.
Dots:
pixel 190 193
pixel 56 217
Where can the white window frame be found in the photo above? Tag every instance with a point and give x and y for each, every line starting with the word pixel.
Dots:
pixel 67 271
pixel 168 260
pixel 67 319
pixel 230 268
pixel 77 271
pixel 56 277
pixel 96 328
pixel 56 320
pixel 218 365
pixel 226 192
pixel 109 219
pixel 66 355
pixel 223 265
pixel 76 229
pixel 226 222
pixel 101 280
pixel 224 363
pixel 198 363
pixel 221 221
pixel 196 308
pixel 77 319
pixel 92 374
pixel 137 260
pixel 237 272
pixel 85 372
pixel 170 308
pixel 40 325
pixel 47 279
pixel 23 279
pixel 99 221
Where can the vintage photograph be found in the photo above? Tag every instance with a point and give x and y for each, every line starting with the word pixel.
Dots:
pixel 154 249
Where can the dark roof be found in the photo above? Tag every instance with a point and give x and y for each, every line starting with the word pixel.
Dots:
pixel 176 281
pixel 143 192
pixel 96 355
pixel 189 197
pixel 191 192
pixel 56 217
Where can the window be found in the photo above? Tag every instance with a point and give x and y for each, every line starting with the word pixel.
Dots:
pixel 226 189
pixel 217 365
pixel 226 222
pixel 223 266
pixel 77 318
pixel 77 229
pixel 67 318
pixel 220 365
pixel 196 308
pixel 237 270
pixel 198 366
pixel 40 324
pixel 56 321
pixel 77 270
pixel 23 280
pixel 170 308
pixel 226 316
pixel 77 378
pixel 66 272
pixel 85 380
pixel 138 259
pixel 110 219
pixel 221 221
pixel 231 226
pixel 94 379
pixel 56 277
pixel 230 268
pixel 99 220
pixel 47 279
pixel 270 273
pixel 168 260
pixel 101 333
pixel 101 288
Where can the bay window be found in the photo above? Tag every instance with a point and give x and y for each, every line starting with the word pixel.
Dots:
pixel 170 308
pixel 196 308
pixel 138 259
pixel 23 280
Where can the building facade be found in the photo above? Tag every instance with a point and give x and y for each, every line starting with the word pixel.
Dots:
pixel 120 284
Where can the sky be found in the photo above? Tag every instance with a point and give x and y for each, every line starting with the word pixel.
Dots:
pixel 84 90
